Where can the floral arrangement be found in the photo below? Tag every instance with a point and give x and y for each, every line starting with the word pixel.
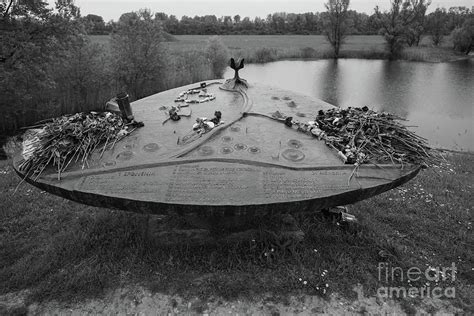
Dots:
pixel 71 138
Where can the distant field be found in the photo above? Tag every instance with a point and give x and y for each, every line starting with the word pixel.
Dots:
pixel 302 46
pixel 244 42
pixel 236 42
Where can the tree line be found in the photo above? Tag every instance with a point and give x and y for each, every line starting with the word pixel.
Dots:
pixel 441 21
pixel 404 24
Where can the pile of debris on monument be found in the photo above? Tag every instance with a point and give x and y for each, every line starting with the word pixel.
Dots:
pixel 361 135
pixel 71 138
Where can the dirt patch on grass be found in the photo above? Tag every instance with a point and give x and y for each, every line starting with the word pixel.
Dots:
pixel 140 301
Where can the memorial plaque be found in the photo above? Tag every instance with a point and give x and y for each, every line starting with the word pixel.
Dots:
pixel 245 162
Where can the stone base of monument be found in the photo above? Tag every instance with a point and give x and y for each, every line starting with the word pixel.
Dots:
pixel 168 230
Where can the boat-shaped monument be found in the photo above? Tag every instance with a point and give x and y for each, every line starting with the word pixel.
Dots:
pixel 221 147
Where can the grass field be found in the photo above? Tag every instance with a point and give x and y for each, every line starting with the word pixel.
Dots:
pixel 61 250
pixel 264 48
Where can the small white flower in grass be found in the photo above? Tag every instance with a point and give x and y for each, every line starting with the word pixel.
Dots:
pixel 327 285
pixel 305 282
pixel 300 279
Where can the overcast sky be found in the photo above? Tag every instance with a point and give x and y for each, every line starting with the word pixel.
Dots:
pixel 112 9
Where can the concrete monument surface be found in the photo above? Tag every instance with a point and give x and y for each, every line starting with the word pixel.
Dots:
pixel 222 147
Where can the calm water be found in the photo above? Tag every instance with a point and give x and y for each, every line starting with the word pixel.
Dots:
pixel 437 98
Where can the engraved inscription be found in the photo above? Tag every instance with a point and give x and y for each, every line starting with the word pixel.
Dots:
pixel 218 184
pixel 283 186
pixel 195 183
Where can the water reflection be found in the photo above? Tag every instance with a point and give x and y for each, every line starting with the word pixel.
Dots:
pixel 326 80
pixel 438 98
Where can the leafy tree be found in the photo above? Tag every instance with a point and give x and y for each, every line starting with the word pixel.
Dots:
pixel 95 24
pixel 138 54
pixel 218 55
pixel 67 10
pixel 237 19
pixel 247 25
pixel 396 24
pixel 463 37
pixel 32 41
pixel 436 25
pixel 161 16
pixel 336 24
pixel 278 22
pixel 358 22
pixel 12 9
pixel 209 24
pixel 227 24
pixel 457 16
pixel 417 27
pixel 260 26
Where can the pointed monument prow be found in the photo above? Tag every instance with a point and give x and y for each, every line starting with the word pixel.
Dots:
pixel 235 67
pixel 236 82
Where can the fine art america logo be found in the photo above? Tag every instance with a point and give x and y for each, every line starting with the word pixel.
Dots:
pixel 430 278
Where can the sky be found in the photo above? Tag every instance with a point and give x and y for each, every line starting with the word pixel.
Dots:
pixel 112 9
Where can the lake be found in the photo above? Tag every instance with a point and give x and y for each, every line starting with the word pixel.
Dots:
pixel 437 98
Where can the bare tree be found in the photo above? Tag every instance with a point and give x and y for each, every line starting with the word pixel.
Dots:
pixel 336 25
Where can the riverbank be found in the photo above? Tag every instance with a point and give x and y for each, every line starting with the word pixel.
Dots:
pixel 58 250
pixel 262 49
pixel 267 48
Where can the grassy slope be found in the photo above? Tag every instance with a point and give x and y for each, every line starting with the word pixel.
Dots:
pixel 66 251
pixel 307 46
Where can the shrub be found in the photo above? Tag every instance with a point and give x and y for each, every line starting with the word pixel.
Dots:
pixel 265 55
pixel 83 80
pixel 463 37
pixel 218 55
pixel 308 52
pixel 187 67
